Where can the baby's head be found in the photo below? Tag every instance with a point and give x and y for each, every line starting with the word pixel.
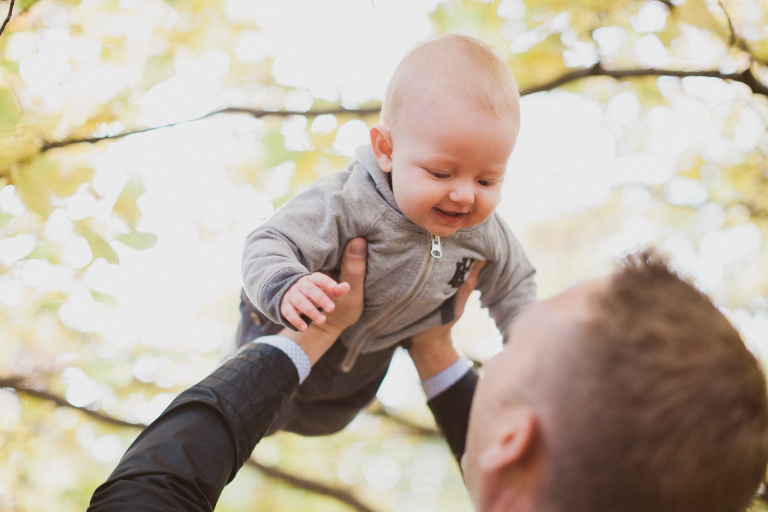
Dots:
pixel 450 119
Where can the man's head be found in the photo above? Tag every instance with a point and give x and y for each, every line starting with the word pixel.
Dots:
pixel 631 393
pixel 450 119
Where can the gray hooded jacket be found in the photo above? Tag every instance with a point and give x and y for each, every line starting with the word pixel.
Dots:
pixel 412 276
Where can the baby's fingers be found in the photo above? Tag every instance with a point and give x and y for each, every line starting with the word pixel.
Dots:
pixel 291 315
pixel 332 289
pixel 305 306
pixel 340 290
pixel 317 295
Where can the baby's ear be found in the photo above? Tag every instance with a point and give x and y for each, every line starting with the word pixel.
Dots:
pixel 381 143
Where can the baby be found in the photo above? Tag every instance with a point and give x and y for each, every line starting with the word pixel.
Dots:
pixel 423 196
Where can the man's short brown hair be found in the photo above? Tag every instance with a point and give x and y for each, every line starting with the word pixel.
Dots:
pixel 666 409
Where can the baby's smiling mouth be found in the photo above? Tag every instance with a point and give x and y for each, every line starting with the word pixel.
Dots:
pixel 450 217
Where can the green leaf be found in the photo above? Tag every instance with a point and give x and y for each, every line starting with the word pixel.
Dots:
pixel 26 4
pixel 138 240
pixel 47 250
pixel 10 113
pixel 274 143
pixel 107 300
pixel 156 69
pixel 5 218
pixel 99 247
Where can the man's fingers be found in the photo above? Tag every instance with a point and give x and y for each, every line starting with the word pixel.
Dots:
pixel 474 274
pixel 353 263
pixel 466 289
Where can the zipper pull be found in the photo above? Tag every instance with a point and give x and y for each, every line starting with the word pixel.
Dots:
pixel 436 250
pixel 351 356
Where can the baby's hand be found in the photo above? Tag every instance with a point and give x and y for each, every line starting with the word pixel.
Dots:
pixel 309 296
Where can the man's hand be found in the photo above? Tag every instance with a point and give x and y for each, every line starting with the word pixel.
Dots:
pixel 346 309
pixel 432 350
pixel 309 296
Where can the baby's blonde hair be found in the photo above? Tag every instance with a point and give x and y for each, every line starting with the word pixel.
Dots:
pixel 467 66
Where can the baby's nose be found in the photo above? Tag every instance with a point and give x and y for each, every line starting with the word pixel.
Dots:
pixel 462 194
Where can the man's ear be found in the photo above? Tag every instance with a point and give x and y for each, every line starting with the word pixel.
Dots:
pixel 381 142
pixel 513 441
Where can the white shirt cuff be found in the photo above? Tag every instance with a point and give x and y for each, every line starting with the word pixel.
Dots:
pixel 292 350
pixel 436 384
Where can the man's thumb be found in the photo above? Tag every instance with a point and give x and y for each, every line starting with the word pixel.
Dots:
pixel 353 262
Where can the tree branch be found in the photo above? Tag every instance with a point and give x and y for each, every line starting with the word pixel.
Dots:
pixel 735 40
pixel 378 410
pixel 257 113
pixel 7 18
pixel 746 77
pixel 19 385
pixel 310 485
pixel 342 495
pixel 730 23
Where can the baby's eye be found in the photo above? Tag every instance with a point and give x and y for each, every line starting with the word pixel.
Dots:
pixel 438 174
pixel 487 183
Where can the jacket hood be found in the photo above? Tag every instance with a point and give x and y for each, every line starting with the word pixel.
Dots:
pixel 368 161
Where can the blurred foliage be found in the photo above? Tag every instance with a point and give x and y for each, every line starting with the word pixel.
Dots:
pixel 54 457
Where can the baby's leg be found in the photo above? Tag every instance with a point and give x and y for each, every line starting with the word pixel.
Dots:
pixel 329 399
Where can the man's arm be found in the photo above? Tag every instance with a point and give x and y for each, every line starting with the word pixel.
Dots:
pixel 451 411
pixel 446 377
pixel 183 460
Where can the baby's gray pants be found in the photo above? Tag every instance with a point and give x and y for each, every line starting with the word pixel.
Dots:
pixel 329 398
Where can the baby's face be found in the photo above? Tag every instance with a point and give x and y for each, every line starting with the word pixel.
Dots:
pixel 448 161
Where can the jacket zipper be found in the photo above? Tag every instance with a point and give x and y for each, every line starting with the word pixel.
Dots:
pixel 435 252
pixel 436 249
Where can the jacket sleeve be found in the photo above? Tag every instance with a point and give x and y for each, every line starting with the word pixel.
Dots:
pixel 183 460
pixel 451 411
pixel 305 235
pixel 507 281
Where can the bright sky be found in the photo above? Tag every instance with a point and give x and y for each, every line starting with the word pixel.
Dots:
pixel 568 156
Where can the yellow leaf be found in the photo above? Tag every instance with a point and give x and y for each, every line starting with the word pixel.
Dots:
pixel 33 185
pixel 67 182
pixel 99 247
pixel 696 13
pixel 125 205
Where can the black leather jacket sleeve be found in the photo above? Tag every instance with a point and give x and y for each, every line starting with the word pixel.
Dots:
pixel 451 411
pixel 183 460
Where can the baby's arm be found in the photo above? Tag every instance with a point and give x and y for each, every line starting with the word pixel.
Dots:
pixel 507 284
pixel 305 235
pixel 309 297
